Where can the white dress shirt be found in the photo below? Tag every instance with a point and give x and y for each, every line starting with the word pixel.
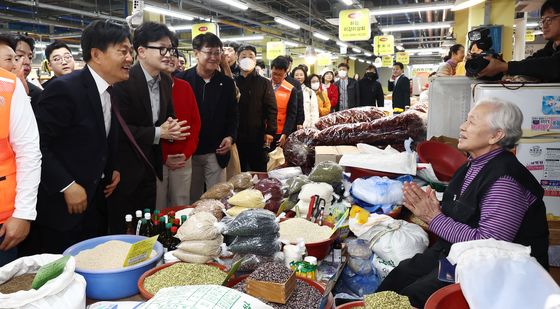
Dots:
pixel 105 97
pixel 153 90
pixel 24 139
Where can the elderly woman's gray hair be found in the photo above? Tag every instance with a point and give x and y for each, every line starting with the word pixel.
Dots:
pixel 507 117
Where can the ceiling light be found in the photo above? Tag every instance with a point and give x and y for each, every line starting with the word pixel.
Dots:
pixel 410 9
pixel 286 23
pixel 361 60
pixel 166 12
pixel 180 28
pixel 368 54
pixel 341 44
pixel 356 50
pixel 463 4
pixel 347 2
pixel 237 4
pixel 397 28
pixel 400 47
pixel 320 36
pixel 532 25
pixel 244 38
pixel 291 44
pixel 538 32
pixel 352 58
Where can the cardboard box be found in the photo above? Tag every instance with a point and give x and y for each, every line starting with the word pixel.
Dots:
pixel 333 153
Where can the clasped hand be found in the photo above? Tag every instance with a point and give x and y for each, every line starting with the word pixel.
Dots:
pixel 423 204
pixel 172 129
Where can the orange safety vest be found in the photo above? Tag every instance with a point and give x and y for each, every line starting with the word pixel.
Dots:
pixel 7 155
pixel 282 99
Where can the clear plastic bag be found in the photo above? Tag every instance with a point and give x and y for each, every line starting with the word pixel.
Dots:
pixel 353 115
pixel 377 190
pixel 249 198
pixel 358 284
pixel 200 226
pixel 283 174
pixel 253 261
pixel 215 207
pixel 210 247
pixel 327 171
pixel 295 184
pixel 251 222
pixel 271 188
pixel 300 147
pixel 191 257
pixel 266 245
pixel 218 191
pixel 360 260
pixel 241 181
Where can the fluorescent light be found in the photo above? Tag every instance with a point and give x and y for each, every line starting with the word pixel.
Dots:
pixel 352 58
pixel 356 50
pixel 320 36
pixel 368 54
pixel 361 60
pixel 397 28
pixel 320 51
pixel 40 45
pixel 166 12
pixel 463 4
pixel 532 25
pixel 538 32
pixel 291 44
pixel 286 23
pixel 244 38
pixel 347 2
pixel 400 47
pixel 410 9
pixel 234 3
pixel 341 44
pixel 180 28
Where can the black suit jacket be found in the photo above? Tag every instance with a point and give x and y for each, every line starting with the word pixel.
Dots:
pixel 401 92
pixel 353 93
pixel 74 146
pixel 34 94
pixel 135 106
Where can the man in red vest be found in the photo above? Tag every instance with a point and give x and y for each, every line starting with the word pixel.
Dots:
pixel 19 155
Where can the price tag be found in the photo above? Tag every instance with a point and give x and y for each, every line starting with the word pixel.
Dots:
pixel 529 36
pixel 403 58
pixel 354 25
pixel 140 251
pixel 384 45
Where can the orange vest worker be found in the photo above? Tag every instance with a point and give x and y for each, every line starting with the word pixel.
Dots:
pixel 282 99
pixel 7 156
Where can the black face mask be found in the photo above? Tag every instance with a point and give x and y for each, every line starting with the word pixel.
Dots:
pixel 371 75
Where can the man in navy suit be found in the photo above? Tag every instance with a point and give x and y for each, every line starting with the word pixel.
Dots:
pixel 79 135
pixel 399 84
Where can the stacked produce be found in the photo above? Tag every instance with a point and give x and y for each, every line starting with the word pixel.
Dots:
pixel 255 231
pixel 200 239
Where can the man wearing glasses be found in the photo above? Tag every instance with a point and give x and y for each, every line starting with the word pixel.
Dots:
pixel 215 95
pixel 60 60
pixel 543 64
pixel 145 103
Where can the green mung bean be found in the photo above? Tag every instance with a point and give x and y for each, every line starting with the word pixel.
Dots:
pixel 386 300
pixel 181 274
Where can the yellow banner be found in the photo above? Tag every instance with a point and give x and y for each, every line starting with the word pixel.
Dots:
pixel 403 58
pixel 354 25
pixel 323 59
pixel 387 61
pixel 275 49
pixel 203 28
pixel 384 45
pixel 529 36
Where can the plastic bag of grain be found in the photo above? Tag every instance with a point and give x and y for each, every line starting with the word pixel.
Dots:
pixel 214 207
pixel 241 181
pixel 249 223
pixel 203 297
pixel 249 198
pixel 200 226
pixel 210 247
pixel 68 290
pixel 188 257
pixel 266 245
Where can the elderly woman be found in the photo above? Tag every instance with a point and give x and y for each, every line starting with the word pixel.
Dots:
pixel 491 196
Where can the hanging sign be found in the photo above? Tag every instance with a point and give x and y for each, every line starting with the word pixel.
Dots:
pixel 529 36
pixel 354 25
pixel 403 58
pixel 275 49
pixel 203 28
pixel 323 59
pixel 384 45
pixel 387 61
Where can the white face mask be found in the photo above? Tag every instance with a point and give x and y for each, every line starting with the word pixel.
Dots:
pixel 247 64
pixel 315 86
pixel 342 74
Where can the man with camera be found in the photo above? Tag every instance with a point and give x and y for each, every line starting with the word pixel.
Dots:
pixel 543 64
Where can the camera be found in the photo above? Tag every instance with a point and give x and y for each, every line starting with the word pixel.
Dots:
pixel 480 47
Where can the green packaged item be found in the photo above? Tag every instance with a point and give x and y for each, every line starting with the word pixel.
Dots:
pixel 295 184
pixel 327 171
pixel 49 271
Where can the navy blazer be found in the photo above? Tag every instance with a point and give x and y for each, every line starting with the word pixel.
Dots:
pixel 401 92
pixel 74 146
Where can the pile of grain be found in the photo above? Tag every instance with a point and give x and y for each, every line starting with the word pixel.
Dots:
pixel 180 274
pixel 16 284
pixel 292 229
pixel 108 255
pixel 303 297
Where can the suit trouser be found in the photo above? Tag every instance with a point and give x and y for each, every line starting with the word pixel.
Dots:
pixel 205 171
pixel 175 188
pixel 416 278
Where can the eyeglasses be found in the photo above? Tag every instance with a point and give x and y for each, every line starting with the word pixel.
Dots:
pixel 547 20
pixel 58 59
pixel 164 50
pixel 216 53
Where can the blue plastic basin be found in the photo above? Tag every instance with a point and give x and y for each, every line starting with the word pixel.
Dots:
pixel 113 284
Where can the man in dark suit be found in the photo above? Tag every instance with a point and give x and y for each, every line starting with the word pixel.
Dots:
pixel 348 91
pixel 146 105
pixel 399 84
pixel 78 133
pixel 25 46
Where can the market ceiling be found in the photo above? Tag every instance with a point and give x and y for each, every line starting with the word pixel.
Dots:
pixel 53 19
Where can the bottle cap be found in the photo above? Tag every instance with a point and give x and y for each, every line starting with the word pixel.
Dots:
pixel 176 222
pixel 168 225
pixel 183 218
pixel 156 212
pixel 162 220
pixel 174 229
pixel 311 260
pixel 147 210
pixel 139 214
pixel 171 214
pixel 148 216
pixel 128 218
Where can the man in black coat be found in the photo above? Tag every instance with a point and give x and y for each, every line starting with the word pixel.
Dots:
pixel 25 47
pixel 399 84
pixel 78 133
pixel 146 105
pixel 257 113
pixel 348 89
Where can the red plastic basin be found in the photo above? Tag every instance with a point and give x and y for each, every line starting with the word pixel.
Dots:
pixel 445 159
pixel 447 297
pixel 354 304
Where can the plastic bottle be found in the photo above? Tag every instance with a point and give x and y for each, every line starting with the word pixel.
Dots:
pixel 149 225
pixel 183 219
pixel 129 227
pixel 311 263
pixel 136 222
